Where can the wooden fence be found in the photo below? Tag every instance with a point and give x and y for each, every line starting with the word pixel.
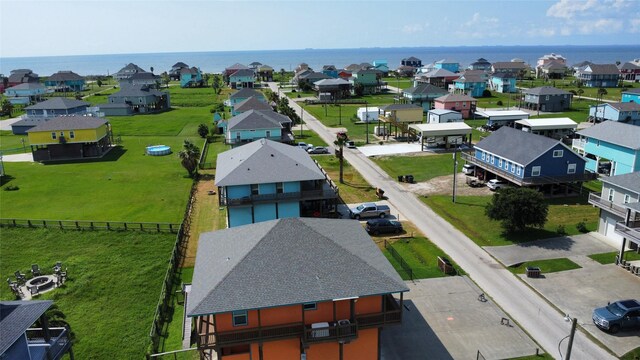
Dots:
pixel 91 225
pixel 403 264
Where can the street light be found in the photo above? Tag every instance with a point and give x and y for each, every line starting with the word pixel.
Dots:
pixel 574 323
pixel 366 118
pixel 301 119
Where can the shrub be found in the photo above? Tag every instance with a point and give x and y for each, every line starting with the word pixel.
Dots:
pixel 582 227
pixel 12 188
pixel 561 230
pixel 499 103
pixel 486 93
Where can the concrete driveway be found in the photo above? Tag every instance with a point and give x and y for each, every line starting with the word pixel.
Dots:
pixel 390 149
pixel 554 248
pixel 577 292
pixel 443 319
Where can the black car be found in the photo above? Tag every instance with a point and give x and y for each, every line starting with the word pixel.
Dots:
pixel 383 226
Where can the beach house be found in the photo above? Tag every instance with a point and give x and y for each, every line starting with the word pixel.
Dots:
pixel 241 95
pixel 547 98
pixel 191 77
pixel 25 93
pixel 465 104
pixel 252 125
pixel 63 81
pixel 127 71
pixel 627 112
pixel 610 142
pixel 423 94
pixel 447 65
pixel 599 75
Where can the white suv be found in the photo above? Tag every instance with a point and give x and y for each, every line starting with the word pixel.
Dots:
pixel 495 184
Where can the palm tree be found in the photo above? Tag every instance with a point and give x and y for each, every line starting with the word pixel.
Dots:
pixel 152 69
pixel 601 93
pixel 579 92
pixel 189 156
pixel 340 142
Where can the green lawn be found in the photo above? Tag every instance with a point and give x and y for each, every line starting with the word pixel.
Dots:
pixel 355 189
pixel 174 122
pixel 13 144
pixel 632 355
pixel 546 266
pixel 568 84
pixel 422 168
pixel 610 257
pixel 492 101
pixel 467 214
pixel 420 254
pixel 402 83
pixel 309 137
pixel 173 340
pixel 114 279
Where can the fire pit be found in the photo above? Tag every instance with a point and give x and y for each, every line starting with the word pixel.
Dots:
pixel 41 283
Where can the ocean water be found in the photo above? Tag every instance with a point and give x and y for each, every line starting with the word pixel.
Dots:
pixel 217 61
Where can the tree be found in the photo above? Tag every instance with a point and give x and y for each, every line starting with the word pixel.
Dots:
pixel 579 92
pixel 216 84
pixel 358 89
pixel 189 156
pixel 99 82
pixel 282 73
pixel 271 96
pixel 601 93
pixel 7 106
pixel 56 318
pixel 152 69
pixel 165 79
pixel 518 208
pixel 203 130
pixel 206 77
pixel 340 142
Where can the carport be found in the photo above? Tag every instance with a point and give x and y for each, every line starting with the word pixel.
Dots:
pixel 502 117
pixel 432 132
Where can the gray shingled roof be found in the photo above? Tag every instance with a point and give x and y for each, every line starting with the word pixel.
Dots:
pixel 73 122
pixel 632 91
pixel 285 262
pixel 257 119
pixel 131 67
pixel 16 317
pixel 518 146
pixel 265 161
pixel 469 79
pixel 411 58
pixel 237 66
pixel 252 103
pixel 455 97
pixel 602 69
pixel 136 90
pixel 629 181
pixel 27 86
pixel 425 89
pixel 331 82
pixel 243 72
pixel 614 132
pixel 65 76
pixel 58 103
pixel 545 90
pixel 30 121
pixel 625 106
pixel 508 65
pixel 245 93
pixel 144 76
pixel 436 73
pixel 628 66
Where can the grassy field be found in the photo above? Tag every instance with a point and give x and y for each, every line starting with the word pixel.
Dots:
pixel 420 254
pixel 13 144
pixel 355 189
pixel 568 84
pixel 422 168
pixel 467 214
pixel 114 279
pixel 546 266
pixel 610 257
pixel 402 83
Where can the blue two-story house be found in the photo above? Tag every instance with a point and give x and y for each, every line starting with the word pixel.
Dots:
pixel 243 78
pixel 242 95
pixel 21 340
pixel 503 83
pixel 627 112
pixel 330 70
pixel 25 93
pixel 191 77
pixel 472 85
pixel 65 81
pixel 526 159
pixel 599 75
pixel 55 107
pixel 258 124
pixel 631 95
pixel 266 180
pixel 615 143
pixel 447 65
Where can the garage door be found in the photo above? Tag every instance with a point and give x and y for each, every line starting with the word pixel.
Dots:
pixel 609 231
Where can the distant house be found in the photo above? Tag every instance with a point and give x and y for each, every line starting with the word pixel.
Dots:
pixel 258 124
pixel 266 180
pixel 330 71
pixel 480 64
pixel 439 116
pixel 551 58
pixel 599 75
pixel 497 118
pixel 243 78
pixel 309 78
pixel 618 201
pixel 472 85
pixel 631 95
pixel 70 138
pixel 65 81
pixel 333 89
pixel 411 61
pixel 232 69
pixel 465 104
pixel 547 98
pixel 371 80
pixel 423 95
pixel 629 72
pixel 25 93
pixel 443 134
pixel 610 142
pixel 405 71
pixel 242 95
pixel 56 106
pixel 527 159
pixel 265 73
pixel 174 73
pixel 141 79
pixel 515 68
pixel 136 99
pixel 301 289
pixel 503 82
pixel 627 112
pixel 438 77
pixel 20 76
pixel 191 77
pixel 555 128
pixel 382 66
pixel 21 339
pixel 447 65
pixel 399 116
pixel 252 103
pixel 127 71
pixel 551 71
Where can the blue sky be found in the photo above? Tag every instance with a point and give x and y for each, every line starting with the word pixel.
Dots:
pixel 55 27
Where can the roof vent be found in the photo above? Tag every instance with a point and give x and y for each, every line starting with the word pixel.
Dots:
pixel 271 155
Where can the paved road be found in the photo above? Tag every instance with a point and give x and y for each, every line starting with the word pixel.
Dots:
pixel 544 323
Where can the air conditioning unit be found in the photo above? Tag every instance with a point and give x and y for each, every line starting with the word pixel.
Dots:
pixel 320 329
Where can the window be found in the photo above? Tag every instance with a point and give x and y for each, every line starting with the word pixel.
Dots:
pixel 279 188
pixel 627 198
pixel 546 97
pixel 310 306
pixel 611 193
pixel 61 133
pixel 518 170
pixel 558 153
pixel 535 171
pixel 492 159
pixel 240 318
pixel 500 162
pixel 254 189
pixel 482 156
pixel 571 169
pixel 268 133
pixel 72 134
pixel 54 135
pixel 513 168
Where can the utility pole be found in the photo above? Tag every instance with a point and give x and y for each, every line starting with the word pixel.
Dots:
pixel 301 119
pixel 366 118
pixel 340 113
pixel 574 322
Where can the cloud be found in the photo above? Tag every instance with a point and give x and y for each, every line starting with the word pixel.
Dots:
pixel 567 9
pixel 413 28
pixel 634 24
pixel 587 17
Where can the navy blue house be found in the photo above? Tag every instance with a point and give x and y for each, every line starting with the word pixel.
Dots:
pixel 526 159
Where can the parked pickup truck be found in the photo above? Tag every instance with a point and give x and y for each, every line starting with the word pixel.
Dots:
pixel 624 314
pixel 368 210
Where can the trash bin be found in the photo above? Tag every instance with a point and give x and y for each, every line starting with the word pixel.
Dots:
pixel 533 272
pixel 409 178
pixel 400 178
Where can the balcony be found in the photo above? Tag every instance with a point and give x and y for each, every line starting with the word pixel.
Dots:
pixel 342 331
pixel 527 180
pixel 579 144
pixel 53 349
pixel 298 195
pixel 631 232
pixel 391 315
pixel 596 199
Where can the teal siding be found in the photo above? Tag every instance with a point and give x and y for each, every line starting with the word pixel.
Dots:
pixel 239 216
pixel 264 212
pixel 238 191
pixel 630 98
pixel 626 160
pixel 288 209
pixel 267 188
pixel 292 186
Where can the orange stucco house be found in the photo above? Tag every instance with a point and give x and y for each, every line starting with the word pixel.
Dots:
pixel 295 288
